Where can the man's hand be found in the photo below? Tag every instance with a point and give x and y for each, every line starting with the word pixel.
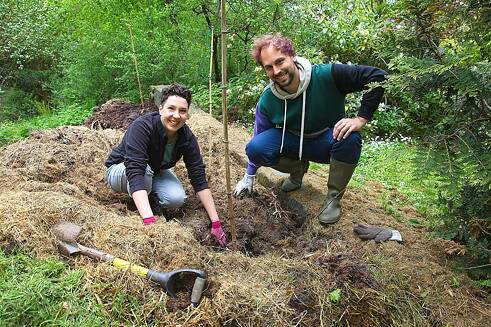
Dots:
pixel 245 184
pixel 345 126
pixel 218 233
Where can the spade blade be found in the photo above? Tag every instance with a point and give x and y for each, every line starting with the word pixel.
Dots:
pixel 66 231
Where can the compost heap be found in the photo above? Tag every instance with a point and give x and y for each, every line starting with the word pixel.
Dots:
pixel 287 264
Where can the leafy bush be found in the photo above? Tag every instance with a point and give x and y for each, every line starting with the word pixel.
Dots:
pixel 28 50
pixel 16 104
pixel 440 75
pixel 98 63
pixel 466 218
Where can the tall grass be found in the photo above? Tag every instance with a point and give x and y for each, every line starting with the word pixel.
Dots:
pixel 399 166
pixel 44 293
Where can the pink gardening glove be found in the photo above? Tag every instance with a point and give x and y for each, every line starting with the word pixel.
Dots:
pixel 149 220
pixel 218 233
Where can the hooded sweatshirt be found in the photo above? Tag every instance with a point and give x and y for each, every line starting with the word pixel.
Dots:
pixel 315 107
pixel 319 102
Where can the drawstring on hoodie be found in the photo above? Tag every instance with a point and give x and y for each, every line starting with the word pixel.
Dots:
pixel 284 124
pixel 302 127
pixel 305 68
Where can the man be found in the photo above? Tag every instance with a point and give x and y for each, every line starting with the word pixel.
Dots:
pixel 140 164
pixel 300 117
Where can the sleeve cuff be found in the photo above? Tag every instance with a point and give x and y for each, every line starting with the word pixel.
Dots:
pixel 251 168
pixel 200 187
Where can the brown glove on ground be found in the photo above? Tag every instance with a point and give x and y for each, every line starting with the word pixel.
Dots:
pixel 379 234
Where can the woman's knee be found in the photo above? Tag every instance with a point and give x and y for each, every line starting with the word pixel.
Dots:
pixel 174 199
pixel 148 183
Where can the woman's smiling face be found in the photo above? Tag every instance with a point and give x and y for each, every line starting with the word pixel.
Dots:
pixel 173 113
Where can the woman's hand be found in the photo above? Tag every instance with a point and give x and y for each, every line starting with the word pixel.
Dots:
pixel 218 233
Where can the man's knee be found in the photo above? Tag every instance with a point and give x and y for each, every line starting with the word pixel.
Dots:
pixel 349 149
pixel 353 142
pixel 253 149
pixel 259 154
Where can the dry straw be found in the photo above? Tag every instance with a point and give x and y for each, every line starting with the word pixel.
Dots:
pixel 59 175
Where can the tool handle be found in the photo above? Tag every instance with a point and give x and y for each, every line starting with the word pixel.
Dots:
pixel 95 254
pixel 134 268
pixel 199 286
pixel 116 262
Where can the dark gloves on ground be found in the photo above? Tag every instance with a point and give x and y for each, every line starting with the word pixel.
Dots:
pixel 218 233
pixel 149 220
pixel 379 234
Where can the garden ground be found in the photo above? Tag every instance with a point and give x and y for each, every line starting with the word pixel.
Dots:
pixel 287 264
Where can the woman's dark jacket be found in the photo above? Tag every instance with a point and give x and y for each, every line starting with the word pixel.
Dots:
pixel 144 143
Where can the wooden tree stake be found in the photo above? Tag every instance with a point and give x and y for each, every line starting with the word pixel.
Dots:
pixel 136 68
pixel 210 145
pixel 225 125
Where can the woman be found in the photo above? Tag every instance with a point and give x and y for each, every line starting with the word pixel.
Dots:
pixel 153 143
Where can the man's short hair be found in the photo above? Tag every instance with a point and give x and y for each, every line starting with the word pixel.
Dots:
pixel 178 90
pixel 278 41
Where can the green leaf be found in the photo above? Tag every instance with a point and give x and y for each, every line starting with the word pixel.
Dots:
pixel 335 296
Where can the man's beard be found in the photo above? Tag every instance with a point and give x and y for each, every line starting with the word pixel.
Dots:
pixel 290 76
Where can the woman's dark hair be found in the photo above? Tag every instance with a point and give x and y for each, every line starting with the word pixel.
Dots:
pixel 178 90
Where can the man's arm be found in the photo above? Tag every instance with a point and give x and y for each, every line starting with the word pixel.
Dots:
pixel 354 78
pixel 261 124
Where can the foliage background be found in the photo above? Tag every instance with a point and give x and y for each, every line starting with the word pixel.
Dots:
pixel 72 54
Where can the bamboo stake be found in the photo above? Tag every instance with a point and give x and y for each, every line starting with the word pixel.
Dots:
pixel 225 125
pixel 210 145
pixel 136 68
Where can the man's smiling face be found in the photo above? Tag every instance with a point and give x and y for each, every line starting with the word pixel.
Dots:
pixel 279 67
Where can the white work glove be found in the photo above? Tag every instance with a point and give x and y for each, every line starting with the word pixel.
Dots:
pixel 244 184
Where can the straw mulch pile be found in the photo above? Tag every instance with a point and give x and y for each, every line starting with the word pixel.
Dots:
pixel 282 275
